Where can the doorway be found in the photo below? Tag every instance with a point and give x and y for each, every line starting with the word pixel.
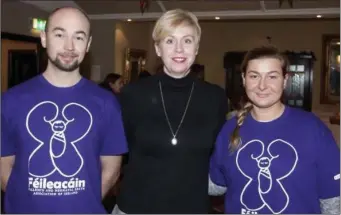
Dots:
pixel 22 58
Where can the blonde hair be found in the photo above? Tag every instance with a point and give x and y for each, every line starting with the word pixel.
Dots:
pixel 172 19
pixel 245 105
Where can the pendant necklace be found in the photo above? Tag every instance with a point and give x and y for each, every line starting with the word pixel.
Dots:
pixel 174 140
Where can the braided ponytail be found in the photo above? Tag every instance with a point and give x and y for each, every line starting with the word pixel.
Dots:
pixel 241 115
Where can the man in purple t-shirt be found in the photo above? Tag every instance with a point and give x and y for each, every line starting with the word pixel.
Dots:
pixel 62 135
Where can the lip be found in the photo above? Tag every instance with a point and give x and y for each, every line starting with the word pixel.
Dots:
pixel 262 95
pixel 179 59
pixel 67 57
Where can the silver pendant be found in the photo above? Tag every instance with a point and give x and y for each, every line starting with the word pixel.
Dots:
pixel 174 141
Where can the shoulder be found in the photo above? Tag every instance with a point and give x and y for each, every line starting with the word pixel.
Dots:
pixel 306 119
pixel 26 88
pixel 212 92
pixel 105 96
pixel 225 133
pixel 312 128
pixel 228 127
pixel 19 94
pixel 310 125
pixel 135 87
pixel 97 89
pixel 213 89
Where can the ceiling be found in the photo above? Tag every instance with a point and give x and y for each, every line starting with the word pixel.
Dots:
pixel 204 9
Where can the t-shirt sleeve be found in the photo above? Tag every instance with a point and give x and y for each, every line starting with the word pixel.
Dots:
pixel 216 163
pixel 328 164
pixel 114 139
pixel 7 129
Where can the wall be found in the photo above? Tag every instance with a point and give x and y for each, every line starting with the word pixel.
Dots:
pixel 133 35
pixel 102 50
pixel 16 17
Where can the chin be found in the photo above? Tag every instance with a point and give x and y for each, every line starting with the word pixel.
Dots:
pixel 265 104
pixel 180 70
pixel 176 72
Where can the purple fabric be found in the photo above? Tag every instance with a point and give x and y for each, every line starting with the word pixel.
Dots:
pixel 57 136
pixel 283 166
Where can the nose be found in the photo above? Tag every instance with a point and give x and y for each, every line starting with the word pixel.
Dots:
pixel 68 44
pixel 262 84
pixel 179 47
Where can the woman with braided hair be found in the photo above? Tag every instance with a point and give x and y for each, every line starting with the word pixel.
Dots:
pixel 271 158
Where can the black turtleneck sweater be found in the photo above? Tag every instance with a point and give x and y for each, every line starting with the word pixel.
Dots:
pixel 161 177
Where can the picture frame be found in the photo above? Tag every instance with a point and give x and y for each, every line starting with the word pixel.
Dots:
pixel 134 63
pixel 330 69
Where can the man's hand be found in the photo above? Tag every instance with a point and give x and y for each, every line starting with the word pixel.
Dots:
pixel 111 167
pixel 6 169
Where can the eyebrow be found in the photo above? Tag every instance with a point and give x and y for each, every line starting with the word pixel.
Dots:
pixel 58 29
pixel 62 29
pixel 81 32
pixel 271 72
pixel 188 35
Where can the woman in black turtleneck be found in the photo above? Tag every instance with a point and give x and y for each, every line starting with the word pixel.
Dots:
pixel 171 121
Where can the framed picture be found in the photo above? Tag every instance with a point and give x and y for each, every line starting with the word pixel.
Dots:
pixel 330 71
pixel 134 64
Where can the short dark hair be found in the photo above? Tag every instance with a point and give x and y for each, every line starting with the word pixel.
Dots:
pixel 60 8
pixel 110 79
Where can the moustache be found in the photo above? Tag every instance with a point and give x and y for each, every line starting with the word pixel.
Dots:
pixel 68 55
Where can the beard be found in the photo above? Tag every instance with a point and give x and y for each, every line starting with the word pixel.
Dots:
pixel 62 66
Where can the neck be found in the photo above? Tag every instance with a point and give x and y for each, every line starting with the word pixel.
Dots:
pixel 176 82
pixel 61 78
pixel 267 114
pixel 176 75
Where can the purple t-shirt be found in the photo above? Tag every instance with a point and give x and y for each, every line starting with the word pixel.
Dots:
pixel 282 166
pixel 57 136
